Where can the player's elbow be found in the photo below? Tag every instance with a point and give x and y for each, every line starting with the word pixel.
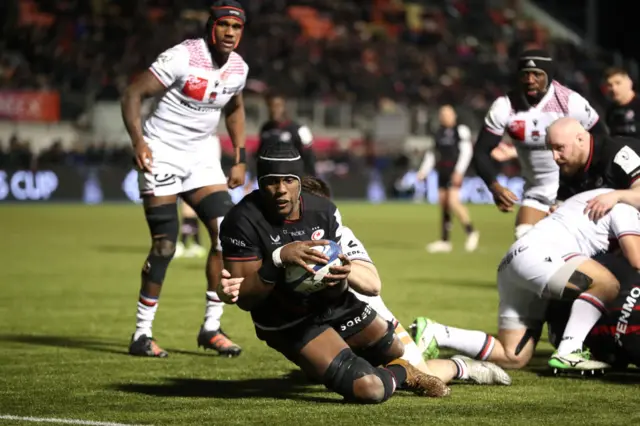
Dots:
pixel 364 278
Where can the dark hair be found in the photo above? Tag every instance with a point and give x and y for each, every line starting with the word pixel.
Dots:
pixel 272 94
pixel 610 72
pixel 316 186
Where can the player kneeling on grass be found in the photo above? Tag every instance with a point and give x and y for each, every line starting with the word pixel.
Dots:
pixel 365 283
pixel 615 337
pixel 330 334
pixel 552 261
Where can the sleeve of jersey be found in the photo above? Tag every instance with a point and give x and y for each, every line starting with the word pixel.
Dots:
pixel 239 240
pixel 466 149
pixel 626 167
pixel 496 119
pixel 171 65
pixel 581 110
pixel 625 220
pixel 352 247
pixel 244 80
pixel 336 225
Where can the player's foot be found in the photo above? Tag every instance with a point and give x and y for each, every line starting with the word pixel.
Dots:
pixel 472 241
pixel 218 341
pixel 578 360
pixel 180 250
pixel 195 250
pixel 421 331
pixel 420 383
pixel 146 346
pixel 485 373
pixel 440 247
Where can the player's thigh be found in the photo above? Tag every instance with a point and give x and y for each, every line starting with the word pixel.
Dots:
pixel 590 274
pixel 519 308
pixel 316 356
pixel 167 173
pixel 210 203
pixel 444 177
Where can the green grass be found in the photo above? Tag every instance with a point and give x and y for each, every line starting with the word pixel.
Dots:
pixel 68 293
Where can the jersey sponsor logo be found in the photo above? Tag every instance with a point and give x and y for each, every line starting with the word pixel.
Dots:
pixel 230 90
pixel 195 87
pixel 317 234
pixel 517 129
pixel 201 108
pixel 164 180
pixel 627 159
pixel 235 241
pixel 165 57
pixel 627 309
pixel 213 96
pixel 276 239
pixel 535 135
pixel 356 320
pixel 351 244
pixel 509 257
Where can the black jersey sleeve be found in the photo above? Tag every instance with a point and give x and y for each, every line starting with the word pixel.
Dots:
pixel 624 163
pixel 239 239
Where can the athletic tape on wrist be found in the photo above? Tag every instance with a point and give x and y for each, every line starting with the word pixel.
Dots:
pixel 276 257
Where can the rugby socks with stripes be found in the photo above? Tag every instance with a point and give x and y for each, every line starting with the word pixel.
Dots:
pixel 585 313
pixel 212 312
pixel 147 307
pixel 475 344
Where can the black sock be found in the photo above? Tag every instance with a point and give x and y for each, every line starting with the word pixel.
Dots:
pixel 196 231
pixel 468 228
pixel 446 224
pixel 399 373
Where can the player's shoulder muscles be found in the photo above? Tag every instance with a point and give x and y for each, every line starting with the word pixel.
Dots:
pixel 581 110
pixel 498 115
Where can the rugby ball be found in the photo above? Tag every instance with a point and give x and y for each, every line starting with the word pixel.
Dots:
pixel 302 281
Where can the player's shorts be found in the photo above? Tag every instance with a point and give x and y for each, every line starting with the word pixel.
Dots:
pixel 444 176
pixel 175 171
pixel 541 193
pixel 533 271
pixel 347 316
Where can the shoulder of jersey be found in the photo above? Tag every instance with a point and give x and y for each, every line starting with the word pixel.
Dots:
pixel 249 206
pixel 502 104
pixel 236 59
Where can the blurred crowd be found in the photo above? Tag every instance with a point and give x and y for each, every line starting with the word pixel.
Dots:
pixel 414 51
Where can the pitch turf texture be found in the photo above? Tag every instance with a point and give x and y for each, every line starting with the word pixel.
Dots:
pixel 69 285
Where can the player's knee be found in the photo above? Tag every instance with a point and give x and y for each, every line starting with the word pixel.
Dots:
pixel 369 389
pixel 607 290
pixel 163 224
pixel 384 350
pixel 522 229
pixel 357 380
pixel 211 210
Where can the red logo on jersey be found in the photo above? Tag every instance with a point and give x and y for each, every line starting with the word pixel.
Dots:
pixel 535 135
pixel 517 130
pixel 195 87
pixel 318 234
pixel 213 96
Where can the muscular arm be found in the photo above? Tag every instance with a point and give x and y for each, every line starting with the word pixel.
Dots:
pixel 482 161
pixel 364 278
pixel 146 85
pixel 235 122
pixel 253 289
pixel 630 196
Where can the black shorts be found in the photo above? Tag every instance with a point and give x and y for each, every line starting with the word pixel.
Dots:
pixel 347 316
pixel 444 176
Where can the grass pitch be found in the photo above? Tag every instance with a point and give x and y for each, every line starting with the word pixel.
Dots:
pixel 68 292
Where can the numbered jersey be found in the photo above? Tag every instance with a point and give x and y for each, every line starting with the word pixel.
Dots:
pixel 189 111
pixel 527 126
pixel 570 228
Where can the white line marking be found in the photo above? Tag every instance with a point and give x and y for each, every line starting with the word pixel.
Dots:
pixel 63 421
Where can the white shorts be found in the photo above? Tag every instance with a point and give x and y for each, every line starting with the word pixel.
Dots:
pixel 532 272
pixel 542 193
pixel 175 171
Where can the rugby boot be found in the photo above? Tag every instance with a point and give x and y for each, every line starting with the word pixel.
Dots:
pixel 578 361
pixel 483 372
pixel 420 383
pixel 421 331
pixel 146 346
pixel 218 341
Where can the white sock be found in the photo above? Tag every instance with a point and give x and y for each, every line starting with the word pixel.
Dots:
pixel 213 312
pixel 585 313
pixel 147 307
pixel 462 367
pixel 475 344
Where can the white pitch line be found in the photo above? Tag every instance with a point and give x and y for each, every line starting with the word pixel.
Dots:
pixel 62 421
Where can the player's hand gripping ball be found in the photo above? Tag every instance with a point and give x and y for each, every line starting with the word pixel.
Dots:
pixel 302 281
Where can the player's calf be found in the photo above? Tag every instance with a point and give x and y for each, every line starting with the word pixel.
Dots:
pixel 163 226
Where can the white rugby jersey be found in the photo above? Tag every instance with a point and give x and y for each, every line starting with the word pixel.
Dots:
pixel 188 113
pixel 352 247
pixel 570 228
pixel 527 128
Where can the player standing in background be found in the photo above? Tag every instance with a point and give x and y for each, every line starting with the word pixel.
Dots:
pixel 178 156
pixel 454 149
pixel 190 227
pixel 280 129
pixel 623 116
pixel 525 113
pixel 552 261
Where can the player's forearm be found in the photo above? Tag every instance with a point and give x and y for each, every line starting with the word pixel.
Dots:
pixel 428 161
pixel 630 196
pixel 364 278
pixel 481 157
pixel 253 291
pixel 309 158
pixel 131 104
pixel 630 246
pixel 235 123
